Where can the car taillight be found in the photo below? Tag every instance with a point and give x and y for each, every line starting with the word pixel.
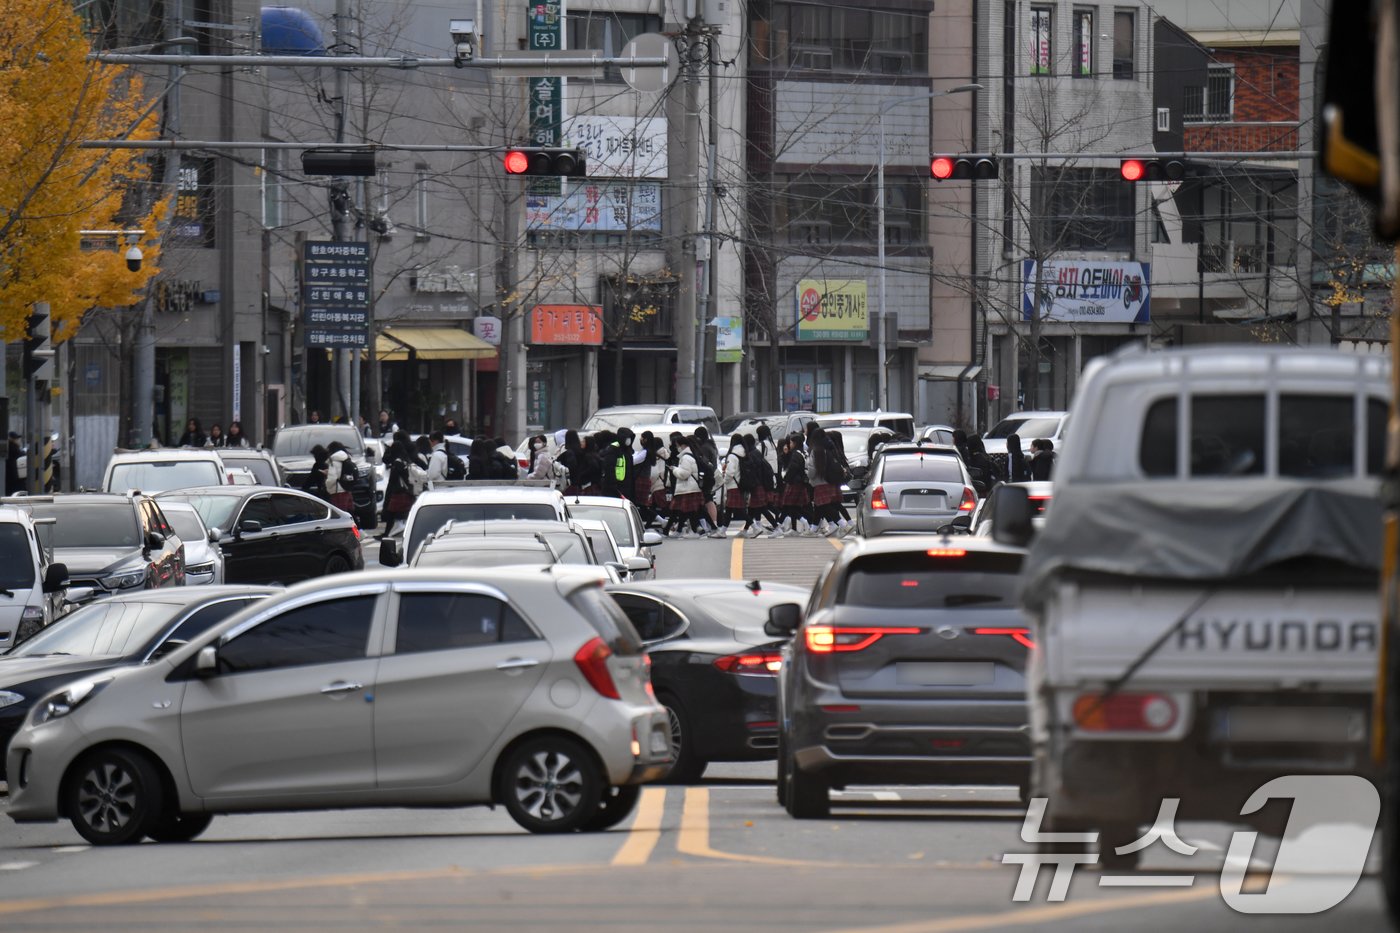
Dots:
pixel 1040 502
pixel 946 552
pixel 1023 635
pixel 592 661
pixel 1125 712
pixel 356 529
pixel 825 639
pixel 753 662
pixel 877 499
pixel 969 500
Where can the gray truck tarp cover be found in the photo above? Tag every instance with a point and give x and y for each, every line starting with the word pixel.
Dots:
pixel 1201 530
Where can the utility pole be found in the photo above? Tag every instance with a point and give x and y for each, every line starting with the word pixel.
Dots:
pixel 710 307
pixel 688 307
pixel 340 207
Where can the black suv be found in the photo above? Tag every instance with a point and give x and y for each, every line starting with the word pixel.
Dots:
pixel 909 668
pixel 110 542
pixel 292 448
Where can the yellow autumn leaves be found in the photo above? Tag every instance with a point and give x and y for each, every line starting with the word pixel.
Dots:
pixel 51 99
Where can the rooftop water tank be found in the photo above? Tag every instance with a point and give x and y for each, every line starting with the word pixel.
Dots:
pixel 291 31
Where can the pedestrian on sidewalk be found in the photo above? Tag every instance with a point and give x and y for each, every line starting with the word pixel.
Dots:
pixel 340 477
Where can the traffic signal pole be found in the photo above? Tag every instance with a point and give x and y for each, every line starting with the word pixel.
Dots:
pixel 38 372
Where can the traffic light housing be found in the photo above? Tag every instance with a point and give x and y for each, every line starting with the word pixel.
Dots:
pixel 1152 169
pixel 548 162
pixel 962 167
pixel 38 347
pixel 338 162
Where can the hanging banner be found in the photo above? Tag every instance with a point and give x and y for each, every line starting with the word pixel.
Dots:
pixel 1089 291
pixel 833 309
pixel 596 207
pixel 729 339
pixel 620 147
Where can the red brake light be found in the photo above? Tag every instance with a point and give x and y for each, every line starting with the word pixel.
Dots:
pixel 969 500
pixel 1023 635
pixel 1040 502
pixel 517 162
pixel 946 552
pixel 824 639
pixel 877 499
pixel 1125 712
pixel 356 529
pixel 757 662
pixel 592 661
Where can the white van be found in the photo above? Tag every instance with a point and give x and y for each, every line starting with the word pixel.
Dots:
pixel 1203 593
pixel 32 586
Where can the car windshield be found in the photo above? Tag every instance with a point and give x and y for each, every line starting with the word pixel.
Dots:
pixel 920 468
pixel 430 518
pixel 90 524
pixel 941 578
pixel 186 524
pixel 160 475
pixel 1027 429
pixel 105 629
pixel 570 547
pixel 612 420
pixel 483 557
pixel 16 559
pixel 854 441
pixel 297 442
pixel 618 521
pixel 216 511
pixel 261 469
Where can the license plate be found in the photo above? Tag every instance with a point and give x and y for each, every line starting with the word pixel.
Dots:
pixel 1294 724
pixel 660 743
pixel 945 673
pixel 929 502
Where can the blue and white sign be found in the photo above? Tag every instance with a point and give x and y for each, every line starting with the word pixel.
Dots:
pixel 1089 291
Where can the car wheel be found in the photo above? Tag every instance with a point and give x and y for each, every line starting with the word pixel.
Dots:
pixel 337 564
pixel 179 827
pixel 687 767
pixel 617 804
pixel 113 797
pixel 782 770
pixel 551 785
pixel 808 796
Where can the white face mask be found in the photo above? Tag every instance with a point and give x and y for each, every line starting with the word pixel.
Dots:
pixel 538 445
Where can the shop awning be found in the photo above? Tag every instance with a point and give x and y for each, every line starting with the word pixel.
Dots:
pixel 431 343
pixel 950 372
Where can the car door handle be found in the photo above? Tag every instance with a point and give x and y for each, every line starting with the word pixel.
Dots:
pixel 340 687
pixel 516 664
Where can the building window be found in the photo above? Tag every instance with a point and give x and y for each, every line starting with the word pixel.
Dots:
pixel 1214 103
pixel 831 210
pixel 847 39
pixel 1042 28
pixel 608 33
pixel 272 187
pixel 1081 209
pixel 1124 43
pixel 420 202
pixel 1083 43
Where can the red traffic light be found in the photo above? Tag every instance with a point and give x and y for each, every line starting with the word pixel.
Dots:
pixel 941 168
pixel 517 162
pixel 1132 169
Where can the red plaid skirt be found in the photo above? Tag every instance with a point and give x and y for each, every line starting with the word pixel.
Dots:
pixel 825 494
pixel 398 503
pixel 734 499
pixel 796 494
pixel 758 499
pixel 687 502
pixel 641 489
pixel 658 499
pixel 346 502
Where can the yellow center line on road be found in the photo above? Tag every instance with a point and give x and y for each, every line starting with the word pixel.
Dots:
pixel 736 559
pixel 836 543
pixel 694 837
pixel 646 829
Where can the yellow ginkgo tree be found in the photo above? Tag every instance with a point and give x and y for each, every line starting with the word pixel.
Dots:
pixel 52 97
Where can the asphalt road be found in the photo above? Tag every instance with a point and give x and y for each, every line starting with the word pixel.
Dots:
pixel 718 856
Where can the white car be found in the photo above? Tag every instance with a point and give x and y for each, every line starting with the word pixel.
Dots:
pixel 204 559
pixel 1028 426
pixel 632 539
pixel 153 471
pixel 31 583
pixel 437 507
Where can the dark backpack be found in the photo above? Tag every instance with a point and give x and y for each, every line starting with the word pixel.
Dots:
pixel 456 467
pixel 750 477
pixel 835 470
pixel 767 478
pixel 349 474
pixel 706 469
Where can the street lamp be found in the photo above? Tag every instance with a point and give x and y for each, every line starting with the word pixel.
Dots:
pixel 883 379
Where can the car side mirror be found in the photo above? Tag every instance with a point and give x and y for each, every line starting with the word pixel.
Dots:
pixel 1011 516
pixel 55 578
pixel 963 521
pixel 214 535
pixel 856 482
pixel 638 564
pixel 154 540
pixel 249 526
pixel 652 539
pixel 206 663
pixel 783 620
pixel 390 552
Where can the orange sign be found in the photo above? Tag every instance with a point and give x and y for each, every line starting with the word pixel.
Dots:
pixel 567 325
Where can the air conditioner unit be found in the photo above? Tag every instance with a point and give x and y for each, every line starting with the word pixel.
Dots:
pixel 1164 119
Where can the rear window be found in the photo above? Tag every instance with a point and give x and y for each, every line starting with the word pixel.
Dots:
pixel 619 521
pixel 297 442
pixel 431 518
pixel 607 619
pixel 918 468
pixel 160 476
pixel 483 557
pixel 16 558
pixel 1027 429
pixel 261 469
pixel 918 580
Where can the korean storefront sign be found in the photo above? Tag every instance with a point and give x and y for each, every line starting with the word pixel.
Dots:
pixel 335 294
pixel 832 309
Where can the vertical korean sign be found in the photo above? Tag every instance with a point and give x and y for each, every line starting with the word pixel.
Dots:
pixel 545 29
pixel 335 294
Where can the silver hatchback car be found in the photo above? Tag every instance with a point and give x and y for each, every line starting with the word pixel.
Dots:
pixel 527 688
pixel 915 489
